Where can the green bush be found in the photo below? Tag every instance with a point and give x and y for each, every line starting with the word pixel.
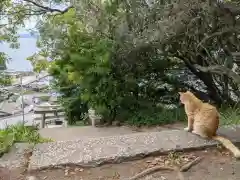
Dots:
pixel 83 76
pixel 5 80
pixel 18 133
pixel 74 108
pixel 157 116
pixel 92 70
pixel 230 115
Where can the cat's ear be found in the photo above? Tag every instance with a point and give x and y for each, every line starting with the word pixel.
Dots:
pixel 180 93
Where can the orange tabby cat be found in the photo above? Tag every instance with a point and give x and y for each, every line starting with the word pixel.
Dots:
pixel 203 120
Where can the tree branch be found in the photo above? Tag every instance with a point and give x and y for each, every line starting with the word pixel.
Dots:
pixel 48 9
pixel 217 69
pixel 227 30
pixel 230 7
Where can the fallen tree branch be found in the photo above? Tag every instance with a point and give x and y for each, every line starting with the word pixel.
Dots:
pixel 231 7
pixel 184 168
pixel 187 166
pixel 151 170
pixel 217 69
pixel 227 30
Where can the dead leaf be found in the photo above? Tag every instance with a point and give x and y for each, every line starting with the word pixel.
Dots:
pixel 167 162
pixel 66 172
pixel 154 162
pixel 158 159
pixel 163 178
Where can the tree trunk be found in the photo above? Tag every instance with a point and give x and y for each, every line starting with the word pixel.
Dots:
pixel 206 78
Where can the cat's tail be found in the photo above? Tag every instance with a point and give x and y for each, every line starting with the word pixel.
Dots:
pixel 229 145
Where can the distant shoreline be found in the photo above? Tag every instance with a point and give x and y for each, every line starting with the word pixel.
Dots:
pixel 28 35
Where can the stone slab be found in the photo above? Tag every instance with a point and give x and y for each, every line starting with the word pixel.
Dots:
pixel 91 152
pixel 73 133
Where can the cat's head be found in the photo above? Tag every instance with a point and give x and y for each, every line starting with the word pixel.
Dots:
pixel 185 96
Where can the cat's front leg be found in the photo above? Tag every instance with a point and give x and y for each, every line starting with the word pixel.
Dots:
pixel 189 128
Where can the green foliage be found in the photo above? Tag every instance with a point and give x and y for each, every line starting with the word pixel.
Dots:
pixel 230 115
pixel 90 71
pixel 157 116
pixel 18 133
pixel 5 80
pixel 87 64
pixel 78 123
pixel 75 108
pixel 123 59
pixel 70 99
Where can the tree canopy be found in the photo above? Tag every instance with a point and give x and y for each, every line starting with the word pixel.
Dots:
pixel 122 57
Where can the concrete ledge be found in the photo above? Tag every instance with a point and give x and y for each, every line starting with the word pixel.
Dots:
pixel 15 158
pixel 91 152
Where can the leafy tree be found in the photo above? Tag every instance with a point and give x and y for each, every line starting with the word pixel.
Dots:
pixel 125 56
pixel 4 79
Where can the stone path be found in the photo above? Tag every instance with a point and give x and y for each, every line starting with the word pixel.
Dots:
pixel 75 133
pixel 109 149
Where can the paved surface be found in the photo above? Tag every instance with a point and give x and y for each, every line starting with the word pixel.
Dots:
pixel 4 122
pixel 95 151
pixel 13 120
pixel 75 133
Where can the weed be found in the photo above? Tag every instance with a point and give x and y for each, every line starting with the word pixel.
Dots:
pixel 175 158
pixel 18 133
pixel 230 115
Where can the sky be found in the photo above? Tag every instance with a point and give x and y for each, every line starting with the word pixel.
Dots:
pixel 27 48
pixel 27 45
pixel 18 57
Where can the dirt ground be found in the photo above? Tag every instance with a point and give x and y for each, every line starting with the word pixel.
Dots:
pixel 216 164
